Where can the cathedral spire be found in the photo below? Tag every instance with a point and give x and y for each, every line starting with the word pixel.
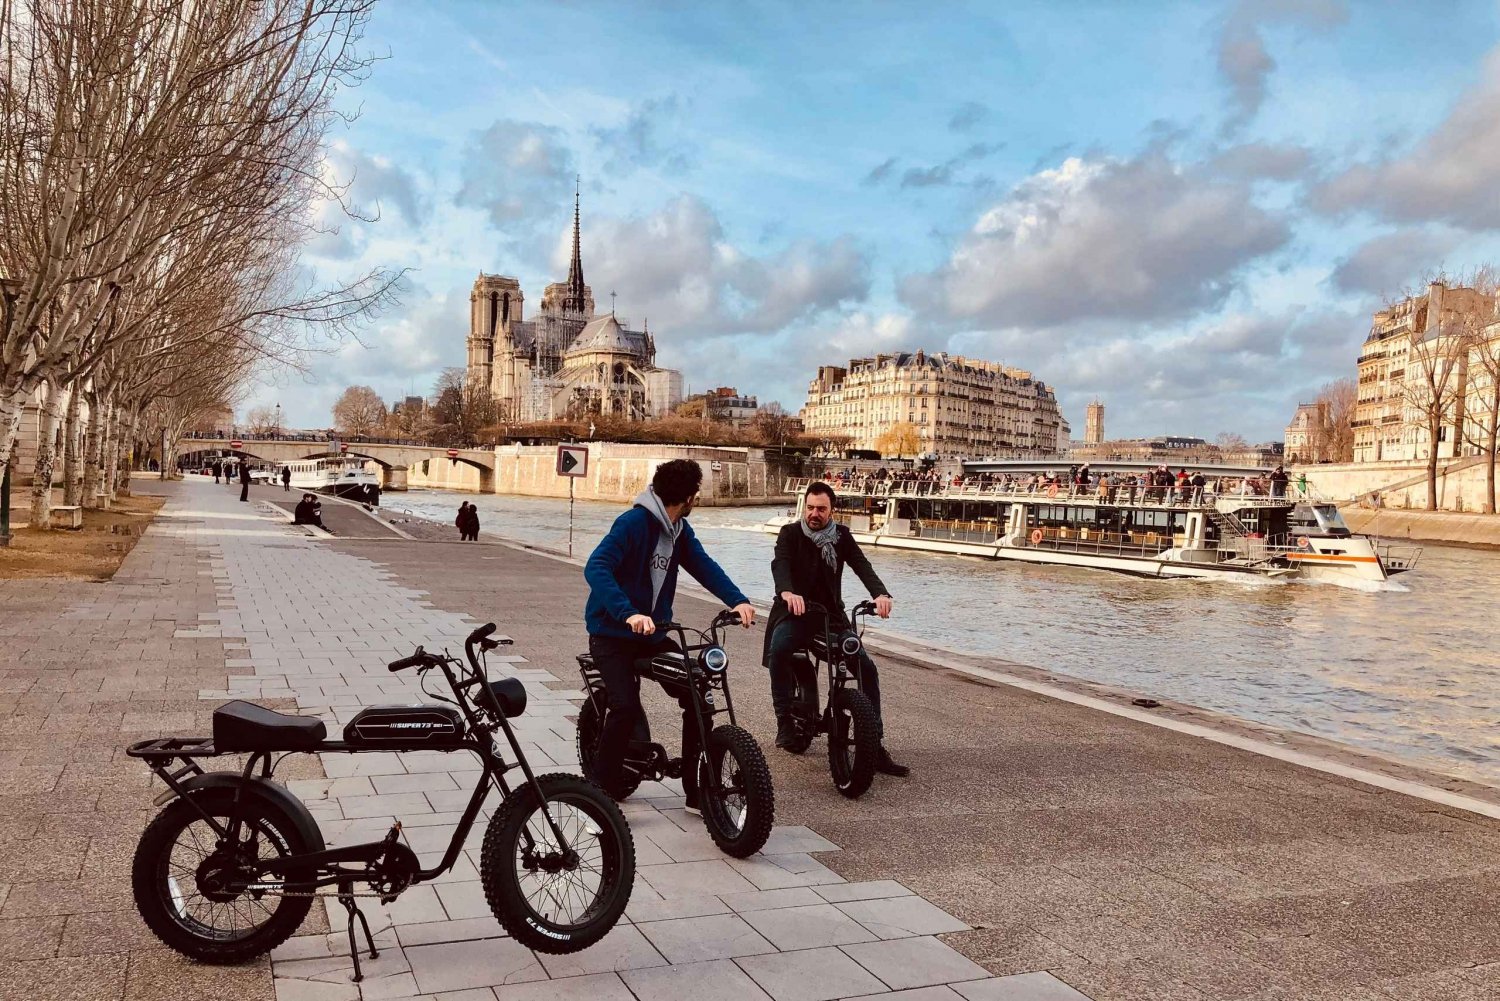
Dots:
pixel 577 296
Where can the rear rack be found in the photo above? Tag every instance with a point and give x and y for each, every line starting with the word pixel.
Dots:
pixel 164 749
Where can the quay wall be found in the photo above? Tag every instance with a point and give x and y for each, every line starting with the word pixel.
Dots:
pixel 1426 526
pixel 617 472
pixel 1401 485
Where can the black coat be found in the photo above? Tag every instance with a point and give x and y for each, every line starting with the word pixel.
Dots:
pixel 799 561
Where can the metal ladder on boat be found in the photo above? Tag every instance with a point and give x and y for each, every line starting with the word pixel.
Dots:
pixel 1230 527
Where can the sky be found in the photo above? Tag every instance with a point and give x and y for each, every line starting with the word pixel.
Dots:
pixel 1185 210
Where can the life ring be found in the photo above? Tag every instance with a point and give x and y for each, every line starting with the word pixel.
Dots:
pixel 1036 534
pixel 1303 542
pixel 1052 490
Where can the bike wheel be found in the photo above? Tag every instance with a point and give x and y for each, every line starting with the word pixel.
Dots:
pixel 590 729
pixel 544 900
pixel 853 741
pixel 739 816
pixel 177 866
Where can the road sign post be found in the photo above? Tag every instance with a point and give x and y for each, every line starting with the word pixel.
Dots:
pixel 572 462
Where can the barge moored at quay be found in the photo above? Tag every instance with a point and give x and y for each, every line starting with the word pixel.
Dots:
pixel 1211 531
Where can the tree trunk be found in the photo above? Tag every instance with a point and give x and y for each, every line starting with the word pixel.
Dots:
pixel 1432 461
pixel 110 454
pixel 119 474
pixel 46 457
pixel 73 448
pixel 93 452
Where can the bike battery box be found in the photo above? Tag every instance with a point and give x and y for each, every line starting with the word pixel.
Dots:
pixel 420 725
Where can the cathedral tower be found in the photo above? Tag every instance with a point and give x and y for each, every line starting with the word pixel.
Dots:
pixel 571 297
pixel 494 306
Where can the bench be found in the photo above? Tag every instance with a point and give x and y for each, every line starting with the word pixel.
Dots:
pixel 67 516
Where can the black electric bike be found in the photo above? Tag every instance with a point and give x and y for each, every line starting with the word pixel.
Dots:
pixel 230 868
pixel 734 781
pixel 849 720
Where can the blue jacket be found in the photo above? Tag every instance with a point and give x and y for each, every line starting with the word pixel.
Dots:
pixel 619 574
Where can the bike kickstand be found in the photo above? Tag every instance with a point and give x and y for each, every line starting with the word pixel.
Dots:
pixel 346 897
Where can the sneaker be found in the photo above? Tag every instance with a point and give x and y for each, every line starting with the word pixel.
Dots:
pixel 786 734
pixel 886 765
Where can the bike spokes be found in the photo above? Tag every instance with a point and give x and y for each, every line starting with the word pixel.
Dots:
pixel 561 882
pixel 208 886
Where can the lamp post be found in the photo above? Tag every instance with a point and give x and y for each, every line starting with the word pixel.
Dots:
pixel 276 429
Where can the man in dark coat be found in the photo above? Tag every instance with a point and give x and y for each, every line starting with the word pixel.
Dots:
pixel 286 478
pixel 244 480
pixel 811 554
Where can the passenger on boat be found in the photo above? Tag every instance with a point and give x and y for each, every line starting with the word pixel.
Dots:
pixel 811 554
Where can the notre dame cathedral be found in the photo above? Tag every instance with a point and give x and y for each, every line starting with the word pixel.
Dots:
pixel 564 362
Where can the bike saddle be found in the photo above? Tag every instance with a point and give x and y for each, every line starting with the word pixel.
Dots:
pixel 245 726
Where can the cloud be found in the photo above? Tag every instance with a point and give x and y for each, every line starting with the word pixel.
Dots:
pixel 1264 161
pixel 1450 176
pixel 376 183
pixel 968 115
pixel 518 173
pixel 1243 60
pixel 943 174
pixel 1388 263
pixel 678 267
pixel 638 142
pixel 881 172
pixel 1141 239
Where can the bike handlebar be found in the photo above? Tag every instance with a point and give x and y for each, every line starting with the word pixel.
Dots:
pixel 415 660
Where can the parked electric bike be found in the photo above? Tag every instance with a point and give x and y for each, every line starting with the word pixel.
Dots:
pixel 230 868
pixel 849 720
pixel 734 781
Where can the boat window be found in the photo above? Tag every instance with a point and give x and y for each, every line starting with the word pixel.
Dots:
pixel 1328 516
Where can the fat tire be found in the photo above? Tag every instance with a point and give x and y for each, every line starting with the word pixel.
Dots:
pixel 590 723
pixel 502 840
pixel 849 708
pixel 153 852
pixel 760 796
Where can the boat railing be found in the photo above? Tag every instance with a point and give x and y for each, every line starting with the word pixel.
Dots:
pixel 1113 495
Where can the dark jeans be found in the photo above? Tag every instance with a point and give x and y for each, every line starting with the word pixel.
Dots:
pixel 614 657
pixel 795 633
pixel 245 490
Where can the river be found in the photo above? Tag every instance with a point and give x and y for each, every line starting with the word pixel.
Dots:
pixel 1412 672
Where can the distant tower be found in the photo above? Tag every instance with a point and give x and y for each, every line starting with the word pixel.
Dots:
pixel 571 296
pixel 1093 427
pixel 495 303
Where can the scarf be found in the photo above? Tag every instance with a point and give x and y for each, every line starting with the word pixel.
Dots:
pixel 827 539
pixel 666 542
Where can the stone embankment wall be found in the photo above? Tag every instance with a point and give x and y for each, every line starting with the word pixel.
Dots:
pixel 1426 526
pixel 1401 485
pixel 616 472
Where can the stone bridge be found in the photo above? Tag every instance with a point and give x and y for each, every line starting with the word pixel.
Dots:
pixel 394 457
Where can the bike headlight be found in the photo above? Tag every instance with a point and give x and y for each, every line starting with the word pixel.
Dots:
pixel 714 660
pixel 850 644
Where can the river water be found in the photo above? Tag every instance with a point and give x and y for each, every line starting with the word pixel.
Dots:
pixel 1413 672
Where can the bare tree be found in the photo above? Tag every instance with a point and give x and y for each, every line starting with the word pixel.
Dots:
pixel 156 162
pixel 1231 441
pixel 458 416
pixel 262 420
pixel 1433 389
pixel 1338 398
pixel 359 411
pixel 900 439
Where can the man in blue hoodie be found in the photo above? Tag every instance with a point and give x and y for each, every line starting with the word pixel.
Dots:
pixel 632 576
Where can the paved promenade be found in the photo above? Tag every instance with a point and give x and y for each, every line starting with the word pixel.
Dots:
pixel 1041 851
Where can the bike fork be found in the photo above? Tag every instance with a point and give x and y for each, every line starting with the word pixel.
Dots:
pixel 346 897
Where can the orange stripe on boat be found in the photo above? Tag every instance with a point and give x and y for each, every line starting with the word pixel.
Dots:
pixel 1332 556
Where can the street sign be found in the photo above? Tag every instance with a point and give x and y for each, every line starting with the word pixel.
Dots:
pixel 236 444
pixel 572 460
pixel 452 453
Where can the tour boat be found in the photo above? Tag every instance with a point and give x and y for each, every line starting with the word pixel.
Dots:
pixel 338 475
pixel 1149 531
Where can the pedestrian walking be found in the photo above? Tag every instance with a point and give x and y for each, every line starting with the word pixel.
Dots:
pixel 473 523
pixel 217 469
pixel 462 522
pixel 244 481
pixel 286 478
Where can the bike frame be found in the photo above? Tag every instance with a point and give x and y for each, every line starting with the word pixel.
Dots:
pixel 697 683
pixel 161 754
pixel 835 660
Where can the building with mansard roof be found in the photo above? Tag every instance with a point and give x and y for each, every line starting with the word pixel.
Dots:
pixel 563 362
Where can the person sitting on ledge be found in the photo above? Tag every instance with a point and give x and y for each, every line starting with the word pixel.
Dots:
pixel 309 511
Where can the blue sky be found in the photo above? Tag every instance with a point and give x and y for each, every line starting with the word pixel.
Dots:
pixel 1186 209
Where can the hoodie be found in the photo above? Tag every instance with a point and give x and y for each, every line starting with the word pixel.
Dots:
pixel 622 572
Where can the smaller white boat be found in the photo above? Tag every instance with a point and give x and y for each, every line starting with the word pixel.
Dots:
pixel 341 476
